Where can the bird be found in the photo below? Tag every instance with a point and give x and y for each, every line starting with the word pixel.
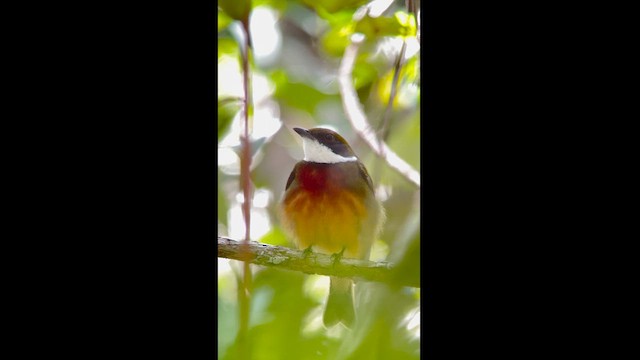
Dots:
pixel 329 206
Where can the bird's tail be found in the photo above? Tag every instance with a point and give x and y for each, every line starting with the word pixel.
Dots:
pixel 340 303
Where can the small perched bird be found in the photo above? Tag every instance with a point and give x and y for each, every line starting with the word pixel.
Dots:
pixel 329 205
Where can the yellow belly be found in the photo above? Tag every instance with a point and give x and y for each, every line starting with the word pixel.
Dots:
pixel 328 222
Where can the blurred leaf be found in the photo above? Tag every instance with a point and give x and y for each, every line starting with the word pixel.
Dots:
pixel 401 24
pixel 227 325
pixel 333 6
pixel 223 20
pixel 409 266
pixel 341 27
pixel 373 28
pixel 364 73
pixel 236 9
pixel 280 5
pixel 403 220
pixel 404 139
pixel 297 95
pixel 275 237
pixel 380 333
pixel 335 19
pixel 227 109
pixel 383 87
pixel 260 300
pixel 336 40
pixel 411 69
pixel 277 336
pixel 409 72
pixel 409 26
pixel 402 233
pixel 227 46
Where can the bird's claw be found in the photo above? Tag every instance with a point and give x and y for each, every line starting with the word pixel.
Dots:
pixel 337 257
pixel 307 252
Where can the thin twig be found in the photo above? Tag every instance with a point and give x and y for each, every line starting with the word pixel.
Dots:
pixel 314 263
pixel 358 119
pixel 384 125
pixel 244 291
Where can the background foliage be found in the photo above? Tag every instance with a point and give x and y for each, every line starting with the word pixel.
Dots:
pixel 296 51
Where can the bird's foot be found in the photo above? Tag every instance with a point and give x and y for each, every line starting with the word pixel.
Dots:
pixel 307 252
pixel 337 257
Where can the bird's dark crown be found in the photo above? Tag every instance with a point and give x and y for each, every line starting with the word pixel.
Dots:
pixel 328 138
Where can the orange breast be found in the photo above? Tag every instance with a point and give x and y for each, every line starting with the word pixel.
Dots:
pixel 322 211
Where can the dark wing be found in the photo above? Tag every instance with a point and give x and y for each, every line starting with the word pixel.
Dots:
pixel 292 177
pixel 365 175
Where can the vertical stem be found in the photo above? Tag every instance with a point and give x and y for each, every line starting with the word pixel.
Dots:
pixel 245 182
pixel 384 126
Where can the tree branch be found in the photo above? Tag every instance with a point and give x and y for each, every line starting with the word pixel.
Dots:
pixel 314 263
pixel 358 119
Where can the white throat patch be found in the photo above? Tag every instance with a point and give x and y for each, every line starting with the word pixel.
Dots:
pixel 318 153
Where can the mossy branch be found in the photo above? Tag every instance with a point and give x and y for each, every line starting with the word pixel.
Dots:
pixel 312 263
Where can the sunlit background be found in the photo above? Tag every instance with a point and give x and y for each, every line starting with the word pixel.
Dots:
pixel 297 48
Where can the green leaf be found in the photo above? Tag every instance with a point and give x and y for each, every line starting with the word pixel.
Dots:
pixel 280 5
pixel 227 324
pixel 227 109
pixel 227 46
pixel 336 40
pixel 404 139
pixel 297 95
pixel 373 28
pixel 236 9
pixel 380 334
pixel 409 73
pixel 364 73
pixel 401 24
pixel 275 237
pixel 275 332
pixel 408 23
pixel 223 20
pixel 333 6
pixel 408 269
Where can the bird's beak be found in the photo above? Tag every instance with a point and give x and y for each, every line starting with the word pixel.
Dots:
pixel 304 133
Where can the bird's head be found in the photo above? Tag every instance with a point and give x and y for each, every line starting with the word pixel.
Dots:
pixel 322 145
